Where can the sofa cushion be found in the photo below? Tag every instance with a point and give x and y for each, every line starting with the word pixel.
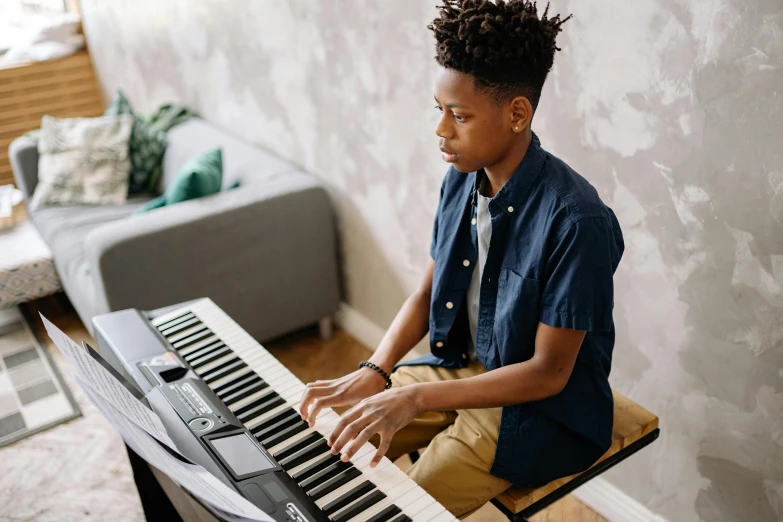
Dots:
pixel 64 228
pixel 242 162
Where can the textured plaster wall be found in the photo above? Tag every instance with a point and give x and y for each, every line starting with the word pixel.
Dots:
pixel 672 109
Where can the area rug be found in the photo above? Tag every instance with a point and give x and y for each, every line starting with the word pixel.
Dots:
pixel 33 396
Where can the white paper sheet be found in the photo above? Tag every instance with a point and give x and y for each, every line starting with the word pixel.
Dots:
pixel 94 376
pixel 192 477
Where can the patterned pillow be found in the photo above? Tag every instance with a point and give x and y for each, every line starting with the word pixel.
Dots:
pixel 83 161
pixel 147 146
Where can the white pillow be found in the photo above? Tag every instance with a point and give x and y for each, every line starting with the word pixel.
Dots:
pixel 83 161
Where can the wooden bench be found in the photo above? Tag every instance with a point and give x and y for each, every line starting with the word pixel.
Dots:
pixel 634 428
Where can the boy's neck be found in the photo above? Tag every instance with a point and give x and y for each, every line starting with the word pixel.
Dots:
pixel 499 173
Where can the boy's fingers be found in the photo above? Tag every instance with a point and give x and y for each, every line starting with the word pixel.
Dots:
pixel 347 433
pixel 383 447
pixel 352 447
pixel 345 419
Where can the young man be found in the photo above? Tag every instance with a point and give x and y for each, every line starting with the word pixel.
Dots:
pixel 518 294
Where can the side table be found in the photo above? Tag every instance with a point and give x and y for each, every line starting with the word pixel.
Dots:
pixel 26 268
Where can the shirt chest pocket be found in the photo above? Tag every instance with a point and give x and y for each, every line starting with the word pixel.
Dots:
pixel 517 314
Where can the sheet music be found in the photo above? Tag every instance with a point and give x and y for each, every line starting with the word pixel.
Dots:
pixel 94 376
pixel 192 477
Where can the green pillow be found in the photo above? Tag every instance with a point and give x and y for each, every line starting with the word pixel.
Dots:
pixel 146 148
pixel 198 177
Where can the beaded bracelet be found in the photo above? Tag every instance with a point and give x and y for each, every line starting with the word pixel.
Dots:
pixel 385 375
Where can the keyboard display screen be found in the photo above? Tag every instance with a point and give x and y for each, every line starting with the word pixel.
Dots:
pixel 241 455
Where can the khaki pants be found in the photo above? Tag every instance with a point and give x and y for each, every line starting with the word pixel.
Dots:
pixel 461 444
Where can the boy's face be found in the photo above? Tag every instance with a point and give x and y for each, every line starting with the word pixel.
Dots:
pixel 474 131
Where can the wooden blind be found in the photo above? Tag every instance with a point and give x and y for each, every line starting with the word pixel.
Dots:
pixel 64 88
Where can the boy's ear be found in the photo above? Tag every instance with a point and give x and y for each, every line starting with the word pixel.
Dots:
pixel 521 113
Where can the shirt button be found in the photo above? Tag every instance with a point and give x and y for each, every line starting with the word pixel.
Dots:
pixel 511 209
pixel 473 221
pixel 464 356
pixel 449 305
pixel 439 344
pixel 466 263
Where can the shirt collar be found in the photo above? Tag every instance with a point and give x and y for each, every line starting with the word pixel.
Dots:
pixel 516 189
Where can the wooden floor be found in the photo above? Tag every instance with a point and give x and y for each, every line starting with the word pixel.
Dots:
pixel 79 471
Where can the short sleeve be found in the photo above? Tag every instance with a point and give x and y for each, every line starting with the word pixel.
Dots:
pixel 434 243
pixel 579 289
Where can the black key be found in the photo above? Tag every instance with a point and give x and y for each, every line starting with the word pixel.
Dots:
pixel 309 453
pixel 187 341
pixel 237 379
pixel 356 493
pixel 219 366
pixel 336 482
pixel 291 419
pixel 385 515
pixel 319 472
pixel 212 376
pixel 204 350
pixel 403 518
pixel 274 439
pixel 171 322
pixel 213 354
pixel 261 405
pixel 187 333
pixel 171 330
pixel 239 383
pixel 298 445
pixel 244 393
pixel 274 419
pixel 363 504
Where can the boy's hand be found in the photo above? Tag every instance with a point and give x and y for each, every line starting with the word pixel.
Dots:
pixel 345 391
pixel 385 414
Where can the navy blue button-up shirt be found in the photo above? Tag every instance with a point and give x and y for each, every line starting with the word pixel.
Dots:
pixel 552 256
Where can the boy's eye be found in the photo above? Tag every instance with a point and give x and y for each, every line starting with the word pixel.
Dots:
pixel 439 108
pixel 459 118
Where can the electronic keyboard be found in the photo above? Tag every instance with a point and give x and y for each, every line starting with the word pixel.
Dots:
pixel 231 407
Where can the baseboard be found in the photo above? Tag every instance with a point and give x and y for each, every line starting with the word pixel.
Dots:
pixel 601 496
pixel 612 504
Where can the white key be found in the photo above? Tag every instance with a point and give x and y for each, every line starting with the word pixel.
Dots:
pixel 217 362
pixel 418 506
pixel 412 496
pixel 372 510
pixel 187 332
pixel 230 377
pixel 251 398
pixel 446 516
pixel 299 436
pixel 429 513
pixel 197 346
pixel 339 492
pixel 350 506
pixel 165 318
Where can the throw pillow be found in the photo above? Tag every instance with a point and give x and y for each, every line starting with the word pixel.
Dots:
pixel 83 161
pixel 201 176
pixel 147 146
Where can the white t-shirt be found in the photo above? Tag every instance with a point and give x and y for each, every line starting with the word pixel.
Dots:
pixel 483 235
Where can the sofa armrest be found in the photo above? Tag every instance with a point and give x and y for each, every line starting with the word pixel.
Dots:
pixel 265 253
pixel 23 153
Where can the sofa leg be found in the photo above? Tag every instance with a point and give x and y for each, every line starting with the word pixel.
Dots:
pixel 325 328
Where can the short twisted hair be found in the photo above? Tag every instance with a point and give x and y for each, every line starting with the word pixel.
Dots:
pixel 504 45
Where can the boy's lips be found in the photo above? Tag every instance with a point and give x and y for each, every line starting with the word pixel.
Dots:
pixel 448 157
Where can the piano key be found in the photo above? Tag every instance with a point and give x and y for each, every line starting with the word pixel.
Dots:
pixel 179 326
pixel 191 357
pixel 364 503
pixel 187 332
pixel 197 346
pixel 217 364
pixel 409 498
pixel 294 444
pixel 348 497
pixel 207 357
pixel 429 513
pixel 212 376
pixel 282 435
pixel 206 333
pixel 402 518
pixel 325 491
pixel 256 398
pixel 382 514
pixel 446 516
pixel 286 420
pixel 237 384
pixel 268 402
pixel 245 393
pixel 304 455
pixel 324 469
pixel 418 506
pixel 241 373
pixel 398 491
pixel 171 319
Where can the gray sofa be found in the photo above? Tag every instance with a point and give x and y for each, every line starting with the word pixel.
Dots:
pixel 264 252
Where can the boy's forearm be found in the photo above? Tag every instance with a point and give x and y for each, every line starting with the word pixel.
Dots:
pixel 514 384
pixel 407 329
